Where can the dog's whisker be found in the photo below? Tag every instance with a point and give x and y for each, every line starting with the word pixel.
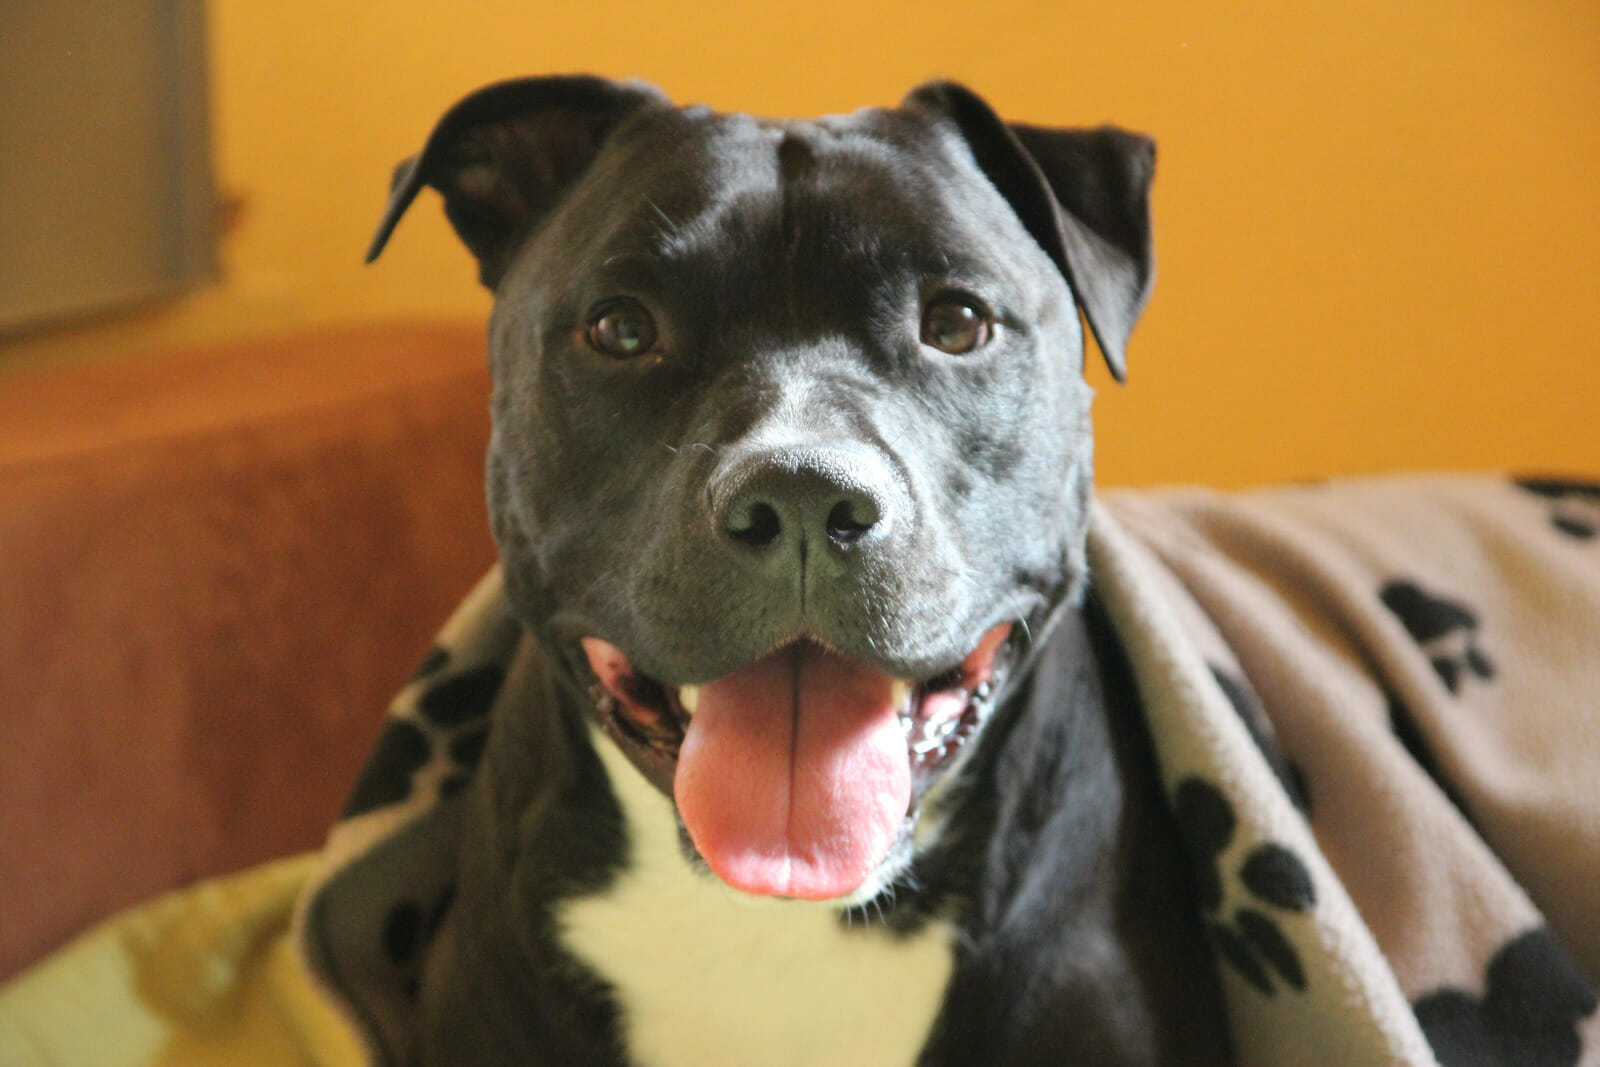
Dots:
pixel 1027 633
pixel 662 215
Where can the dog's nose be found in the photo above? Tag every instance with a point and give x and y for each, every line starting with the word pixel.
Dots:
pixel 788 498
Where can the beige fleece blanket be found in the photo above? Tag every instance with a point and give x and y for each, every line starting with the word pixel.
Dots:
pixel 1376 705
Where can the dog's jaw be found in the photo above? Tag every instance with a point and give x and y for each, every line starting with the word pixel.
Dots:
pixel 834 824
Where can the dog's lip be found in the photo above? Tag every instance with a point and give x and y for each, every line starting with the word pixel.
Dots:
pixel 940 712
pixel 689 696
pixel 950 676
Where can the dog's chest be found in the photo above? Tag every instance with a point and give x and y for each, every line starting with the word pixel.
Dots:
pixel 704 975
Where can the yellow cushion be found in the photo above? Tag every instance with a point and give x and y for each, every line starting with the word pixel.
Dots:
pixel 204 976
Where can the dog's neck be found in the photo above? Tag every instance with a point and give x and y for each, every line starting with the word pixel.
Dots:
pixel 1055 824
pixel 1065 830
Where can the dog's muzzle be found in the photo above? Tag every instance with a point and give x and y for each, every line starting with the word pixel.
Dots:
pixel 796 773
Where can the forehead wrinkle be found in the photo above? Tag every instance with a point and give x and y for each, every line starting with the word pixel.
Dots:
pixel 795 217
pixel 794 160
pixel 849 200
pixel 738 174
pixel 763 179
pixel 734 216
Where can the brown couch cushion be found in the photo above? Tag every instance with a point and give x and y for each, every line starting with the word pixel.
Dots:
pixel 215 568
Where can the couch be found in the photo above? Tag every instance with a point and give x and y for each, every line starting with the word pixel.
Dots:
pixel 216 565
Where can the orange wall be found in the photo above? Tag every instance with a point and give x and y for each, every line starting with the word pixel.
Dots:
pixel 1377 221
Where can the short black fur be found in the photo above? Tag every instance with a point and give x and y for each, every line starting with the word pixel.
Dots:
pixel 786 266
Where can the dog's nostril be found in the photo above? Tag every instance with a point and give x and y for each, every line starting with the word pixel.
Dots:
pixel 787 501
pixel 761 526
pixel 849 519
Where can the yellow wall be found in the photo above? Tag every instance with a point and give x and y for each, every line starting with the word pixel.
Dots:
pixel 1377 221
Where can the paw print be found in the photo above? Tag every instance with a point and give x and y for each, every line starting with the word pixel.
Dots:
pixel 1248 707
pixel 1447 631
pixel 451 727
pixel 459 707
pixel 1409 733
pixel 408 929
pixel 1574 506
pixel 402 750
pixel 1533 999
pixel 1252 943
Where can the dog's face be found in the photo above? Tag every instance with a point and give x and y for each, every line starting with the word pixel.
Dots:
pixel 791 443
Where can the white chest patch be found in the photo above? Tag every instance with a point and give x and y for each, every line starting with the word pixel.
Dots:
pixel 708 976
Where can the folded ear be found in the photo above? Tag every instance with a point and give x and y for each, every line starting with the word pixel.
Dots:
pixel 503 156
pixel 1084 195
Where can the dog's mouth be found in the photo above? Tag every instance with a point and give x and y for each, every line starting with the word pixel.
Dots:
pixel 796 773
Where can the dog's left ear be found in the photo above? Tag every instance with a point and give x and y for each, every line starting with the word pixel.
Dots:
pixel 1084 195
pixel 505 154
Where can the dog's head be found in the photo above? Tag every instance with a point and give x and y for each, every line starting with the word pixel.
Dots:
pixel 791 448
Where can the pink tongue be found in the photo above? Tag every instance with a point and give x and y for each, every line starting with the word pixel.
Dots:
pixel 794 776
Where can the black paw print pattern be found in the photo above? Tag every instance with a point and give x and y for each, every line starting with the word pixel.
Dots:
pixel 408 927
pixel 1252 942
pixel 1446 629
pixel 1248 706
pixel 1534 997
pixel 1574 505
pixel 453 717
pixel 1406 730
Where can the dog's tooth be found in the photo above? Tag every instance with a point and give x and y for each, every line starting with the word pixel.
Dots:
pixel 689 698
pixel 899 692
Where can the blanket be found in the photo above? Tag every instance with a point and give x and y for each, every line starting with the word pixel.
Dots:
pixel 207 976
pixel 1376 709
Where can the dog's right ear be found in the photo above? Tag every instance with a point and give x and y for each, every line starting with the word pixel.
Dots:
pixel 1084 195
pixel 502 156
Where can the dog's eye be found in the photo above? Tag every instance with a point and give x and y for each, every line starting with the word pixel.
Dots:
pixel 955 324
pixel 622 329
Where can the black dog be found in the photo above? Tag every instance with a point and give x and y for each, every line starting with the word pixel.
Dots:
pixel 790 478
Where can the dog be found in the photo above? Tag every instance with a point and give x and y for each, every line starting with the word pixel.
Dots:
pixel 820 712
pixel 790 476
